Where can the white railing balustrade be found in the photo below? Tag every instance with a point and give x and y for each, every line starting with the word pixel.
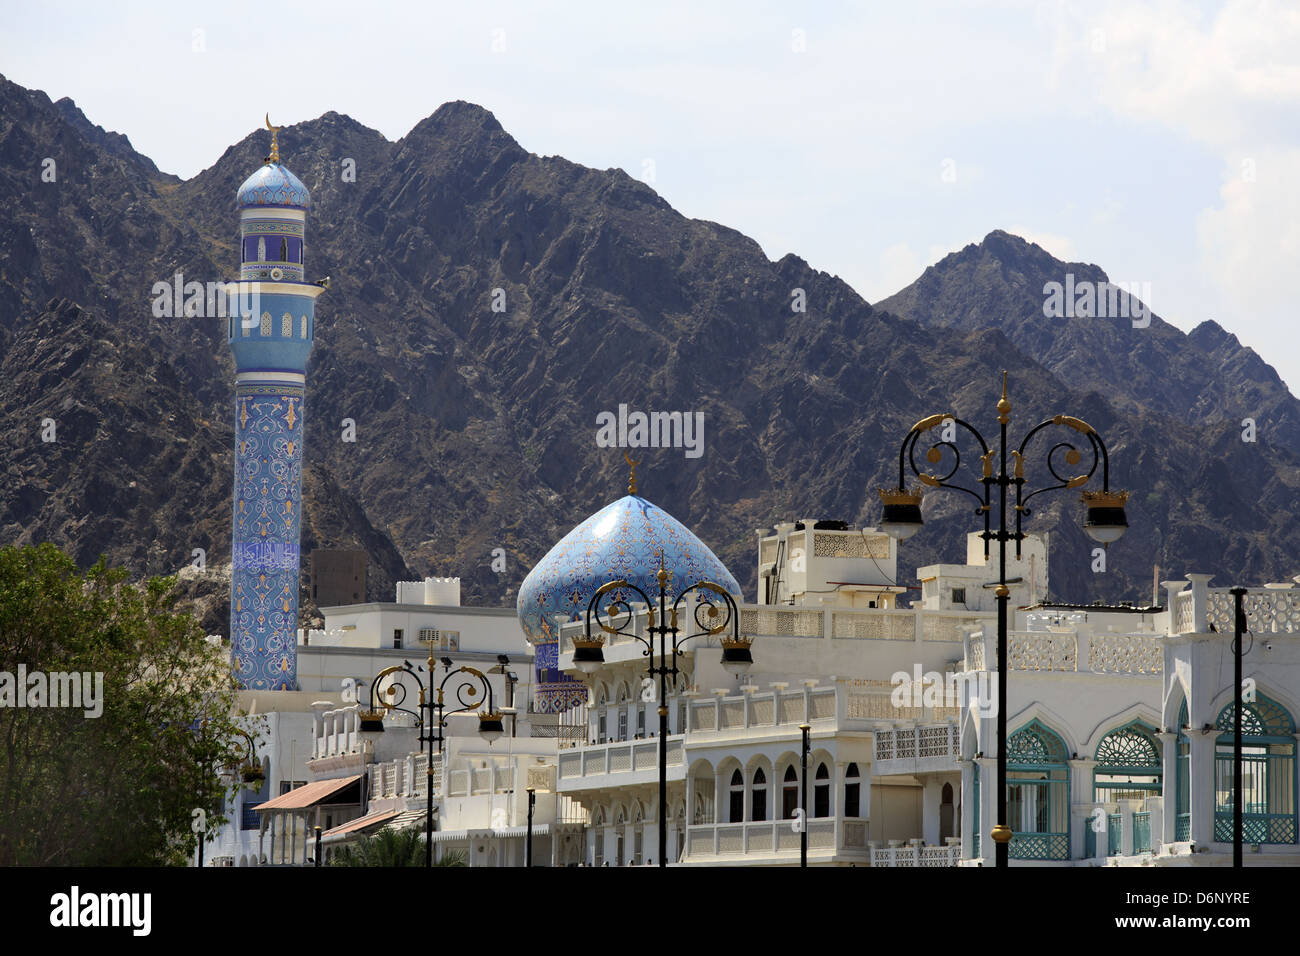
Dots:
pixel 1125 654
pixel 1040 651
pixel 1270 611
pixel 766 838
pixel 613 758
pixel 913 854
pixel 762 709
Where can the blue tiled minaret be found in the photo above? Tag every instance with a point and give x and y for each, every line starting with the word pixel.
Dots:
pixel 271 346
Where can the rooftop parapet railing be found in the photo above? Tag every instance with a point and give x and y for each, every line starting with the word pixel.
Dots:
pixel 1068 652
pixel 1200 609
pixel 831 624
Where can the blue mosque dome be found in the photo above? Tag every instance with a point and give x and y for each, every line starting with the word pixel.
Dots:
pixel 273 185
pixel 622 540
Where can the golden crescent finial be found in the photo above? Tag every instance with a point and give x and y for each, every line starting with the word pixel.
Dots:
pixel 1004 406
pixel 275 145
pixel 631 481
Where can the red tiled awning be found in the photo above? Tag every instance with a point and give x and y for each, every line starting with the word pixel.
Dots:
pixel 308 796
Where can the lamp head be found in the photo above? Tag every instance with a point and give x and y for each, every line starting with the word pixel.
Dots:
pixel 736 655
pixel 901 517
pixel 490 726
pixel 1105 521
pixel 588 655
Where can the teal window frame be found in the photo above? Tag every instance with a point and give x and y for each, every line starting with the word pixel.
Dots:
pixel 1182 781
pixel 1128 764
pixel 1038 765
pixel 1268 746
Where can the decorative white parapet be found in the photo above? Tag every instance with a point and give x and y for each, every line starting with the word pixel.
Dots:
pixel 1270 609
pixel 1200 601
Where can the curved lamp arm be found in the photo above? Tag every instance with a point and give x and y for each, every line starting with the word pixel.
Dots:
pixel 466 692
pixel 711 623
pixel 934 455
pixel 617 608
pixel 397 691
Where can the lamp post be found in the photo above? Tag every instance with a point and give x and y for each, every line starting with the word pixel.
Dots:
pixel 588 655
pixel 804 729
pixel 430 718
pixel 528 847
pixel 1105 523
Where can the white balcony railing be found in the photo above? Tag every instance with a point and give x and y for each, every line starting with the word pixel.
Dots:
pixel 914 855
pixel 625 757
pixel 917 744
pixel 773 708
pixel 769 838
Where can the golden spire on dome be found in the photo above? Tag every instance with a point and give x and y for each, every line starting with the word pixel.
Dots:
pixel 275 144
pixel 631 481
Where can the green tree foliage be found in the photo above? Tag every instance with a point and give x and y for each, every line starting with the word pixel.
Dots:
pixel 391 847
pixel 120 789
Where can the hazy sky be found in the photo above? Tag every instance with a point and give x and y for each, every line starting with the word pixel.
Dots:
pixel 1160 141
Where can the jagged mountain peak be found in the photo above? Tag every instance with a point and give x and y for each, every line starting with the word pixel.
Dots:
pixel 488 303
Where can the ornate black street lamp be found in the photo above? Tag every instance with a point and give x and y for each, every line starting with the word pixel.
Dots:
pixel 1105 523
pixel 712 600
pixel 430 718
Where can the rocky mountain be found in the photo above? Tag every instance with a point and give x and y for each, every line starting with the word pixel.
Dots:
pixel 487 304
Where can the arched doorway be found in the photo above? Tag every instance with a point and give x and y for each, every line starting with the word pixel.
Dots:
pixel 946 813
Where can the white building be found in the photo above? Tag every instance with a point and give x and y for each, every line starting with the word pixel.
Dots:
pixel 319 772
pixel 836 653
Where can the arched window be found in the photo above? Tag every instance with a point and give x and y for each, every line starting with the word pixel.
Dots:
pixel 286 326
pixel 304 326
pixel 736 807
pixel 265 330
pixel 284 250
pixel 758 799
pixel 789 793
pixel 1038 794
pixel 852 792
pixel 822 792
pixel 1128 765
pixel 261 250
pixel 1182 780
pixel 947 813
pixel 1268 773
